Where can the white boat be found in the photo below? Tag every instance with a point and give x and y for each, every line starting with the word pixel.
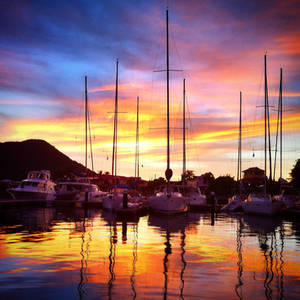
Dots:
pixel 80 190
pixel 112 201
pixel 260 204
pixel 167 200
pixel 193 195
pixel 264 203
pixel 37 185
pixel 235 202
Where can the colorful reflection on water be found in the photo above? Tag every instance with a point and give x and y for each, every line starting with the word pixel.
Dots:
pixel 56 253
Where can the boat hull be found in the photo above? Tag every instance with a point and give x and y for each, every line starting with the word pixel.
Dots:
pixel 30 195
pixel 197 201
pixel 261 207
pixel 168 205
pixel 112 202
pixel 66 196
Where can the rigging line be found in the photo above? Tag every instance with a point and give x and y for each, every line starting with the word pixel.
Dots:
pixel 191 133
pixel 91 149
pixel 257 102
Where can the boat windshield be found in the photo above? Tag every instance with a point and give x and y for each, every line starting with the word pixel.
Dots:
pixel 29 183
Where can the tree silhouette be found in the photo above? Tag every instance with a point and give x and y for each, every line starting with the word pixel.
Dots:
pixel 295 173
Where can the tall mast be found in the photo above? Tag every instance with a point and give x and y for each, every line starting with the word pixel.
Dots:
pixel 137 162
pixel 239 171
pixel 183 127
pixel 265 107
pixel 267 122
pixel 86 119
pixel 280 98
pixel 114 154
pixel 168 171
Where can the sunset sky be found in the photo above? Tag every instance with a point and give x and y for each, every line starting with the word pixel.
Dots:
pixel 47 47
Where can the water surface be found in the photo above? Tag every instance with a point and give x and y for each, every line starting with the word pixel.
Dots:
pixel 68 253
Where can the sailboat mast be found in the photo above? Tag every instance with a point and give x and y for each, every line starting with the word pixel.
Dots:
pixel 280 107
pixel 239 171
pixel 267 115
pixel 137 162
pixel 86 118
pixel 168 171
pixel 183 126
pixel 265 108
pixel 114 154
pixel 168 94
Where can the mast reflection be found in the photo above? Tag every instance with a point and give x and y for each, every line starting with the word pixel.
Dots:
pixel 168 225
pixel 114 221
pixel 268 231
pixel 134 254
pixel 183 262
pixel 238 286
pixel 113 239
pixel 84 258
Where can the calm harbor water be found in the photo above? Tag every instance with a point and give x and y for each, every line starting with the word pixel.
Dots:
pixel 72 253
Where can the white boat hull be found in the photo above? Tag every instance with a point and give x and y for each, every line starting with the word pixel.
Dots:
pixel 19 193
pixel 112 202
pixel 198 200
pixel 168 205
pixel 263 207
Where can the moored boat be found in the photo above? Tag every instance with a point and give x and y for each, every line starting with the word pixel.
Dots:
pixel 37 186
pixel 79 190
pixel 262 204
pixel 168 201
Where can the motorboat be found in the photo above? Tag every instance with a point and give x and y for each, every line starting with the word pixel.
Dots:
pixel 37 186
pixel 79 191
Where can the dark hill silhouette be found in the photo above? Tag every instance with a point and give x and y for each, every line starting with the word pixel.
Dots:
pixel 17 158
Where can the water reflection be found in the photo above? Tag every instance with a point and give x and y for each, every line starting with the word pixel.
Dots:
pixel 114 221
pixel 33 221
pixel 270 234
pixel 184 264
pixel 84 254
pixel 238 286
pixel 91 254
pixel 167 225
pixel 113 238
pixel 134 260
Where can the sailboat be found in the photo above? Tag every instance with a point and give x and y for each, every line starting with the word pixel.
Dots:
pixel 194 196
pixel 134 202
pixel 114 199
pixel 286 194
pixel 81 189
pixel 235 203
pixel 168 200
pixel 264 203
